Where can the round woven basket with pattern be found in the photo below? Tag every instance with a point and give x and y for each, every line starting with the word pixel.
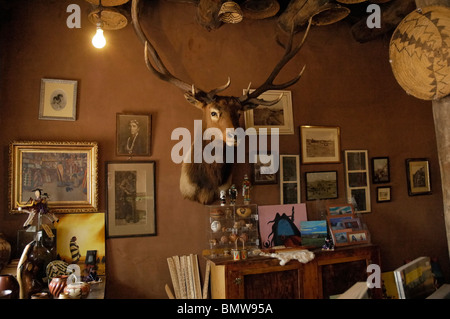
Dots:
pixel 419 53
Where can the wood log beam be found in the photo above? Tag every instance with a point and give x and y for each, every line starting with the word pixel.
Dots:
pixel 441 114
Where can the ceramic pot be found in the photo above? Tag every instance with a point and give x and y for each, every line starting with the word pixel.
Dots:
pixel 9 282
pixel 5 251
pixel 57 285
pixel 77 290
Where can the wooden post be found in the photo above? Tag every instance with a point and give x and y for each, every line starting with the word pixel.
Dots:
pixel 441 114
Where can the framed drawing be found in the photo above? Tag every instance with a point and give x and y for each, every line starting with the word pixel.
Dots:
pixel 418 176
pixel 66 171
pixel 263 171
pixel 130 199
pixel 383 194
pixel 58 100
pixel 289 179
pixel 133 134
pixel 380 170
pixel 278 116
pixel 357 180
pixel 321 185
pixel 320 144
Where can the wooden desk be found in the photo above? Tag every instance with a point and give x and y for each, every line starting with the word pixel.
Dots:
pixel 329 273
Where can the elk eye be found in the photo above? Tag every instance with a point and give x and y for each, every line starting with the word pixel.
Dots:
pixel 213 113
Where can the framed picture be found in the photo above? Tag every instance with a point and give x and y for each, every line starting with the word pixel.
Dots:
pixel 340 210
pixel 339 222
pixel 263 171
pixel 353 223
pixel 321 185
pixel 278 116
pixel 383 194
pixel 357 237
pixel 58 100
pixel 130 199
pixel 289 179
pixel 340 237
pixel 380 170
pixel 320 144
pixel 418 176
pixel 357 180
pixel 66 171
pixel 133 134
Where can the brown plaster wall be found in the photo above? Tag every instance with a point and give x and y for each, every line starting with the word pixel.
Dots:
pixel 346 84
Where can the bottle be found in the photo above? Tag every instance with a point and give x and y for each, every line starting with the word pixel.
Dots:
pixel 39 257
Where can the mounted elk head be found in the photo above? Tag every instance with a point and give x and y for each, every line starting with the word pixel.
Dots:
pixel 202 182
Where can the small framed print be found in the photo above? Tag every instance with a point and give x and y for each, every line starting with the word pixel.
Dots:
pixel 289 179
pixel 380 170
pixel 58 100
pixel 321 185
pixel 265 118
pixel 357 237
pixel 263 170
pixel 357 180
pixel 418 176
pixel 383 194
pixel 133 134
pixel 340 210
pixel 320 144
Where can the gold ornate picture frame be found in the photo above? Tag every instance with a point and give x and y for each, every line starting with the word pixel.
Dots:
pixel 66 171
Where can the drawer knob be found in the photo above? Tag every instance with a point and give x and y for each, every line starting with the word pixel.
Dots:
pixel 237 281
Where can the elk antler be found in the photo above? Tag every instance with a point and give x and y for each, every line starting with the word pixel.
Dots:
pixel 251 100
pixel 160 70
pixel 248 100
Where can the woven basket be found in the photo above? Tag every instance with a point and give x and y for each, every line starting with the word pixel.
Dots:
pixel 420 55
pixel 260 9
pixel 108 3
pixel 112 18
pixel 230 12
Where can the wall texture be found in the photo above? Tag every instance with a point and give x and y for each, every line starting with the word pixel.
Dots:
pixel 346 84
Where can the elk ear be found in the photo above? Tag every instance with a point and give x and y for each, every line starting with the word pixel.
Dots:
pixel 191 99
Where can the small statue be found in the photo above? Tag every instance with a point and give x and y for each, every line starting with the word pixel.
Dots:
pixel 329 245
pixel 223 198
pixel 233 194
pixel 246 185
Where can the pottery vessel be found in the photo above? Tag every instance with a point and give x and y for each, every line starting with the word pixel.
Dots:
pixel 9 282
pixel 77 290
pixel 5 251
pixel 57 285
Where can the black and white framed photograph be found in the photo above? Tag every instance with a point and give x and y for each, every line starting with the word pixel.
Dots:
pixel 320 144
pixel 58 100
pixel 321 185
pixel 263 171
pixel 418 176
pixel 133 134
pixel 289 179
pixel 278 116
pixel 384 194
pixel 357 180
pixel 380 170
pixel 131 201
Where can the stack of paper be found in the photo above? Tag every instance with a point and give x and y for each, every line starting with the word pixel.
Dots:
pixel 185 275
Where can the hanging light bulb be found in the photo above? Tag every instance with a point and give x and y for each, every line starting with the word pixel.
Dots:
pixel 99 40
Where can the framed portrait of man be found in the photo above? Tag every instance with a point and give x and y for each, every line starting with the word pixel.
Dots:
pixel 133 134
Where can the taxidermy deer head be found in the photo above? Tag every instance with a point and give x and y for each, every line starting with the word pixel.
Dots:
pixel 203 181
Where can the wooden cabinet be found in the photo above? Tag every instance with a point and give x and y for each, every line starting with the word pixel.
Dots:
pixel 329 273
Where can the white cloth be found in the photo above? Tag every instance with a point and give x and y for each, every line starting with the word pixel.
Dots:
pixel 304 256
